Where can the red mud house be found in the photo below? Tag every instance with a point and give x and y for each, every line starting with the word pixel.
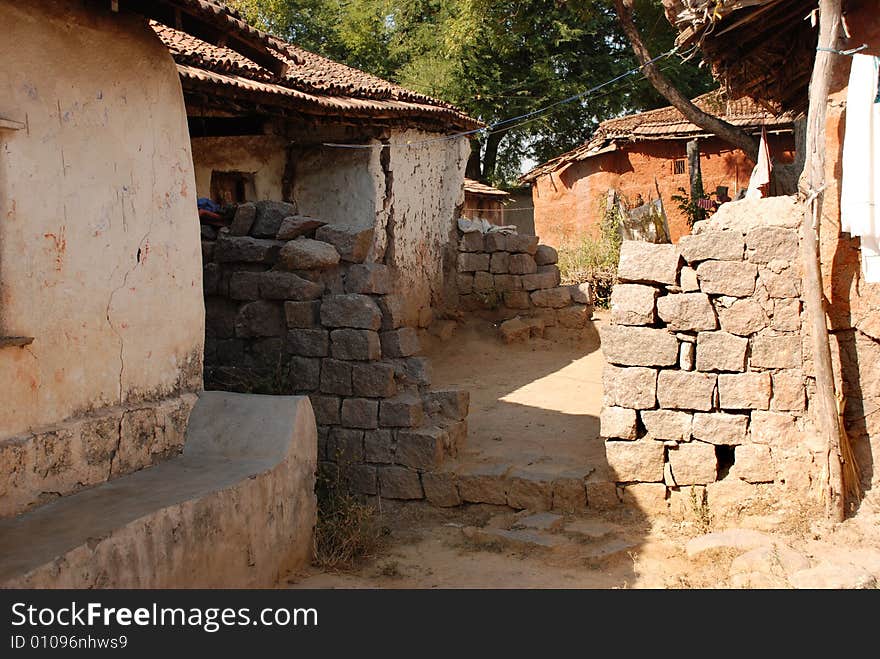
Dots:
pixel 637 154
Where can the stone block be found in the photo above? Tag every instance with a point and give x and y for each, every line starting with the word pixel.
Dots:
pixel 373 379
pixel 211 279
pixel 517 299
pixel 399 483
pixel 788 391
pixel 379 445
pixel 244 249
pixel 471 242
pixel 404 411
pixel 350 310
pixel 529 489
pixel 638 346
pixel 712 245
pixel 546 276
pixel 602 495
pixel 326 409
pixel 635 388
pixel 336 377
pixel 648 263
pixel 420 448
pixel 483 282
pixel 270 215
pixel 575 316
pixel 361 478
pixel 259 318
pixel 685 390
pixel 302 315
pixel 753 463
pixel 667 424
pixel 369 279
pixel 360 413
pixel 638 461
pixel 308 342
pixel 352 243
pixel 783 284
pixel 546 255
pixel 581 293
pixel 687 280
pixel 470 262
pixel 277 285
pixel 693 463
pixel 412 371
pixel 515 329
pixel 569 495
pixel 443 329
pixel 721 428
pixel 617 422
pixel 294 226
pixel 765 244
pixel 355 344
pixel 403 342
pixel 720 351
pixel 243 220
pixel 776 428
pixel 517 242
pixel 304 373
pixel 776 351
pixel 727 278
pixel 743 317
pixel 441 489
pixel 499 263
pixel 495 241
pixel 633 304
pixel 690 312
pixel 744 391
pixel 450 403
pixel 649 498
pixel 786 315
pixel 307 254
pixel 346 445
pixel 505 283
pixel 554 298
pixel 686 355
pixel 483 484
pixel 244 286
pixel 522 264
pixel 464 282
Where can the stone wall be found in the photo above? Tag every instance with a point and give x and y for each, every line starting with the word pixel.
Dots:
pixel 510 277
pixel 292 307
pixel 705 381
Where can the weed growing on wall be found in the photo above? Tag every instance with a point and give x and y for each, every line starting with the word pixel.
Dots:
pixel 594 259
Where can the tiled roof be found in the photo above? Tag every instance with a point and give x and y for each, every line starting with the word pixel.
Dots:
pixel 312 84
pixel 664 124
pixel 475 187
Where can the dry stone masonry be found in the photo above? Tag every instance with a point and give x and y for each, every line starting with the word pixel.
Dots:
pixel 705 379
pixel 292 307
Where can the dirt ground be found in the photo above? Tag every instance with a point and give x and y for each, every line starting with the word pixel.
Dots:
pixel 539 402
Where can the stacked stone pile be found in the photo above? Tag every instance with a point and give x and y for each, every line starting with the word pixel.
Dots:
pixel 705 376
pixel 510 277
pixel 292 306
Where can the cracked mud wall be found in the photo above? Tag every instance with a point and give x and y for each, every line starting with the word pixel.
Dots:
pixel 262 156
pixel 99 238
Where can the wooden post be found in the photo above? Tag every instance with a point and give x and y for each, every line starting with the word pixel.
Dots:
pixel 812 183
pixel 696 175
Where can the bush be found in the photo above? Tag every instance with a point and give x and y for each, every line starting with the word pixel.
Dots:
pixel 594 259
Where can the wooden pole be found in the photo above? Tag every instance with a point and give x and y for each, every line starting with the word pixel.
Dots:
pixel 812 183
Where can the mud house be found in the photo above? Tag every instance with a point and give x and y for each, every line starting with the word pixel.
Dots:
pixel 102 320
pixel 641 153
pixel 481 200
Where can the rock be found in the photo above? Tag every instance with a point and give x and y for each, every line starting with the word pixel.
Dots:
pixel 638 346
pixel 547 276
pixel 686 390
pixel 753 463
pixel 687 280
pixel 363 479
pixel 516 300
pixel 399 483
pixel 775 428
pixel 777 560
pixel 270 215
pixel 471 242
pixel 650 498
pixel 591 528
pixel 441 489
pixel 514 330
pixel 765 244
pixel 744 391
pixel 483 282
pixel 307 254
pixel 686 356
pixel 403 342
pixel 375 380
pixel 244 249
pixel 617 422
pixel 775 352
pixel 336 379
pixel 326 409
pixel 404 411
pixel 469 262
pixel 522 264
pixel 294 226
pixel 514 540
pixel 721 428
pixel 412 371
pixel 504 283
pixel 260 318
pixel 450 403
pixel 379 445
pixel 244 286
pixel 208 232
pixel 633 304
pixel 635 388
pixel 483 483
pixel 530 488
pixel 784 284
pixel 305 373
pixel 788 391
pixel 350 310
pixel 713 245
pixel 302 314
pixel 581 293
pixel 743 317
pixel 693 463
pixel 690 312
pixel 495 241
pixel 442 329
pixel 727 278
pixel 546 255
pixel 569 495
pixel 555 298
pixel 667 424
pixel 720 351
pixel 369 279
pixel 787 315
pixel 521 243
pixel 355 344
pixel 464 282
pixel 352 243
pixel 346 445
pixel 732 539
pixel 543 521
pixel 243 220
pixel 575 316
pixel 278 285
pixel 648 263
pixel 831 576
pixel 308 342
pixel 746 214
pixel 602 495
pixel 421 448
pixel 499 263
pixel 641 460
pixel 396 311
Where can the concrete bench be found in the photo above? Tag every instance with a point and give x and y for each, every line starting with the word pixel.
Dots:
pixel 235 509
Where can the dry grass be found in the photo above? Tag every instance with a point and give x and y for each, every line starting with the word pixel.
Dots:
pixel 593 259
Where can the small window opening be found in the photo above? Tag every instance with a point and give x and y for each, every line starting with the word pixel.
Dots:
pixel 232 187
pixel 679 166
pixel 725 457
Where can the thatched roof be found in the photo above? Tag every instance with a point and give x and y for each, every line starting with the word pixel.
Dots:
pixel 667 124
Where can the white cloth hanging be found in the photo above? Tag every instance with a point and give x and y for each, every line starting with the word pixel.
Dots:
pixel 761 172
pixel 860 187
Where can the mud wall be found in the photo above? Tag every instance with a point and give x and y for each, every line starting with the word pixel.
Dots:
pixel 262 156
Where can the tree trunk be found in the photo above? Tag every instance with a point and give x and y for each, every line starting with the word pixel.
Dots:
pixel 727 132
pixel 473 170
pixel 811 184
pixel 696 175
pixel 490 157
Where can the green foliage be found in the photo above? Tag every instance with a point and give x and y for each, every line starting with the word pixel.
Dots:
pixel 495 59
